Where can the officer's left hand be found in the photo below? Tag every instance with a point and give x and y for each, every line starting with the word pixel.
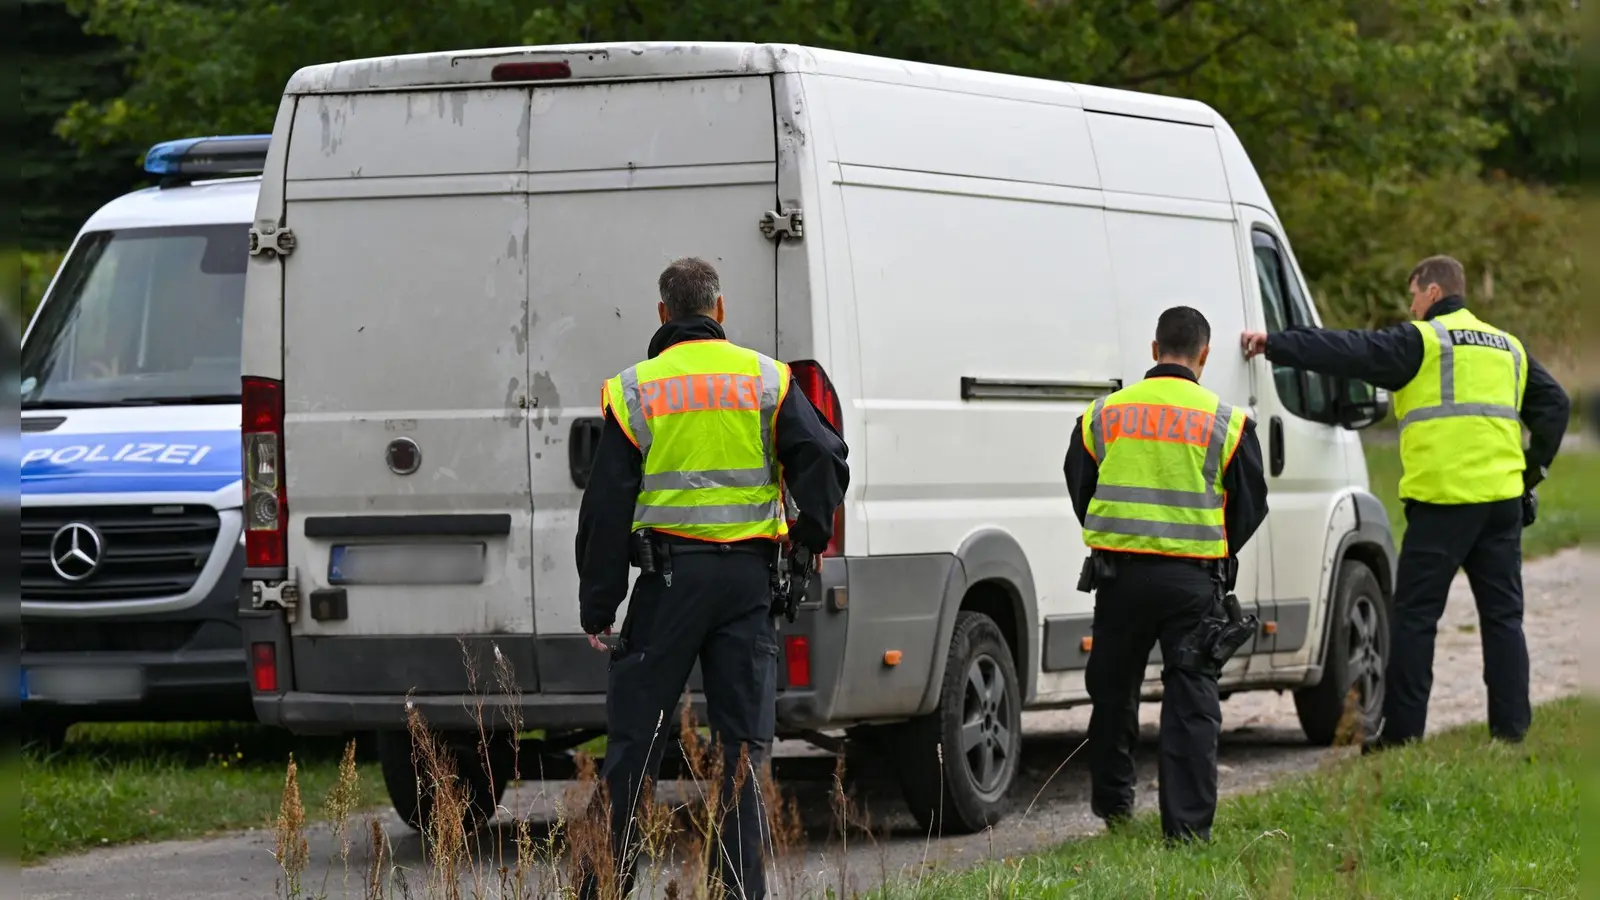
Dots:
pixel 1253 343
pixel 595 642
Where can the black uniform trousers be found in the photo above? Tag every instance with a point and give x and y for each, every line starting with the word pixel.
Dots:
pixel 718 610
pixel 1486 540
pixel 1152 599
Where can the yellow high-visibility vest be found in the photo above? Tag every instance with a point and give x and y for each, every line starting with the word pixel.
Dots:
pixel 1162 445
pixel 701 414
pixel 1460 416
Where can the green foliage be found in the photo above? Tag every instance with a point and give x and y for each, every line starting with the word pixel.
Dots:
pixel 1357 239
pixel 115 784
pixel 36 271
pixel 1532 92
pixel 1569 501
pixel 1456 816
pixel 59 183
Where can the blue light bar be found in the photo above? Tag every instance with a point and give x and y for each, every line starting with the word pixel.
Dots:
pixel 218 156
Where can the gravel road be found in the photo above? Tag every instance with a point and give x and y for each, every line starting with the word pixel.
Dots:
pixel 1261 742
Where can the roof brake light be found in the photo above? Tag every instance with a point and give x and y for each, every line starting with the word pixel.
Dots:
pixel 218 156
pixel 531 71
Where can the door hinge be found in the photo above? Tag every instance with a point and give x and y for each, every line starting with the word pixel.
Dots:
pixel 284 594
pixel 272 241
pixel 788 222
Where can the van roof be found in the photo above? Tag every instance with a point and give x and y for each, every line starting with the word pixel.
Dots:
pixel 703 59
pixel 221 202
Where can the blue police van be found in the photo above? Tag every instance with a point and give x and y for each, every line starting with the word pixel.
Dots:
pixel 131 537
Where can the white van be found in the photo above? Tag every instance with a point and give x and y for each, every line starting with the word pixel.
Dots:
pixel 957 263
pixel 131 544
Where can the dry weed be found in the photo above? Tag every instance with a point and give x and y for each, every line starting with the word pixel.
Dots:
pixel 444 832
pixel 290 847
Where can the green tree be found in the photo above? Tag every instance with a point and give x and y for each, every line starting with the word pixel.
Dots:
pixel 60 183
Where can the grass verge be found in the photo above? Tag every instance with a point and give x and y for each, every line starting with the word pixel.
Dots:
pixel 120 783
pixel 1457 817
pixel 1569 501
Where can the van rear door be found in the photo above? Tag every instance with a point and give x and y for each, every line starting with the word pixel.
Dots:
pixel 470 265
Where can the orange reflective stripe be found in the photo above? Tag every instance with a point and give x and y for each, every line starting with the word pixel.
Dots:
pixel 1158 422
pixel 694 393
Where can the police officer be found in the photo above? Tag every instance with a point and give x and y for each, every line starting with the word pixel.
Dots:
pixel 1463 389
pixel 696 440
pixel 1167 482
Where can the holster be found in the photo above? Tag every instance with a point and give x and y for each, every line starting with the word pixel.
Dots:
pixel 1221 632
pixel 1098 568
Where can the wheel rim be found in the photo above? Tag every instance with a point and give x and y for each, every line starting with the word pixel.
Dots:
pixel 987 718
pixel 1368 641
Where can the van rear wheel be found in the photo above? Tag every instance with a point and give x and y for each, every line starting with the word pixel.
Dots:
pixel 411 788
pixel 1358 653
pixel 956 763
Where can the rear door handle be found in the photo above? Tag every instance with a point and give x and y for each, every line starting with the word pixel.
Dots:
pixel 582 443
pixel 1275 445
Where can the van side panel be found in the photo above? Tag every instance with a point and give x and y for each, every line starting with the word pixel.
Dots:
pixel 1173 241
pixel 972 256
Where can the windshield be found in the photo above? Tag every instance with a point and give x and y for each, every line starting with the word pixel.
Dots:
pixel 141 316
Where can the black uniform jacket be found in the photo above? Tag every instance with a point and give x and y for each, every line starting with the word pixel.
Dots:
pixel 815 474
pixel 1390 357
pixel 1244 481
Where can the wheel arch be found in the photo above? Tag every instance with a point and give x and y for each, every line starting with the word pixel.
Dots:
pixel 992 576
pixel 1371 543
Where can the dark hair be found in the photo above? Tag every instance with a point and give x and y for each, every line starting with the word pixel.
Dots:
pixel 689 287
pixel 1182 332
pixel 1445 271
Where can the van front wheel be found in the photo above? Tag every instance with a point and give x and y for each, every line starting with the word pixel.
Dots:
pixel 956 763
pixel 1358 652
pixel 411 786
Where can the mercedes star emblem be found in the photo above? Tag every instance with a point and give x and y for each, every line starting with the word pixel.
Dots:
pixel 75 551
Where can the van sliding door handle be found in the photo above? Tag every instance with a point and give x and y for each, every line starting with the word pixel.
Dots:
pixel 583 441
pixel 1275 445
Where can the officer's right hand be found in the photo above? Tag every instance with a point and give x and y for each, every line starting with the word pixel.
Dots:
pixel 595 642
pixel 1253 343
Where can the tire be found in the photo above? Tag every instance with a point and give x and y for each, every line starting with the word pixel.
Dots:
pixel 980 709
pixel 1358 651
pixel 45 735
pixel 407 786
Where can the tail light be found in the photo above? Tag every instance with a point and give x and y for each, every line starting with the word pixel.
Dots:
pixel 814 383
pixel 266 506
pixel 797 660
pixel 264 667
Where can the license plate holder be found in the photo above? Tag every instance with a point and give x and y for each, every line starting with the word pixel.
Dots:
pixel 407 564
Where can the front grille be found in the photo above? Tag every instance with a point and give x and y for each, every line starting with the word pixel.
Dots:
pixel 106 637
pixel 146 551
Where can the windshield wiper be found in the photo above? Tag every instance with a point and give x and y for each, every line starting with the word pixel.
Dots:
pixel 197 399
pixel 83 404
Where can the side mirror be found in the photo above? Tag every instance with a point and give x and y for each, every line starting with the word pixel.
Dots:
pixel 1360 405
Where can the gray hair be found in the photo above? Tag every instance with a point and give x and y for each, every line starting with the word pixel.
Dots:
pixel 1445 271
pixel 689 287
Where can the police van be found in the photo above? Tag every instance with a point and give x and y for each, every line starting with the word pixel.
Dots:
pixel 130 468
pixel 461 247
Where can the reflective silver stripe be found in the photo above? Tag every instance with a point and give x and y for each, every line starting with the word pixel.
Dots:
pixel 1447 364
pixel 770 383
pixel 636 419
pixel 707 478
pixel 736 514
pixel 1219 440
pixel 1158 496
pixel 1460 410
pixel 1096 418
pixel 1516 375
pixel 1145 528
